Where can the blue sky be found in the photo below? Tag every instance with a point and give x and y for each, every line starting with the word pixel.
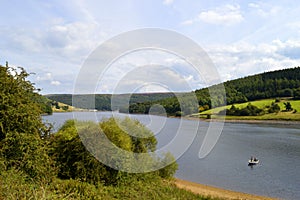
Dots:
pixel 53 38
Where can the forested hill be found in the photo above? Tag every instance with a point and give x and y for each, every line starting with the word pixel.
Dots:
pixel 103 101
pixel 281 83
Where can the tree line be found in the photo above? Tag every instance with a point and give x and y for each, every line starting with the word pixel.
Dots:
pixel 280 83
pixel 102 102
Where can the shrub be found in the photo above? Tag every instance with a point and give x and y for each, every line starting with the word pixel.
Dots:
pixel 249 110
pixel 288 106
pixel 27 153
pixel 169 170
pixel 74 161
pixel 21 127
pixel 274 108
pixel 295 111
pixel 18 112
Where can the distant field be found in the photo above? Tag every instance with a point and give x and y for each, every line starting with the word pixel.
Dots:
pixel 282 115
pixel 61 105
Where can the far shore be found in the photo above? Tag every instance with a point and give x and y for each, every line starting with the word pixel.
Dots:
pixel 248 121
pixel 211 191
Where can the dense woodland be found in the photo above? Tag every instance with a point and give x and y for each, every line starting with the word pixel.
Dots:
pixel 281 83
pixel 103 101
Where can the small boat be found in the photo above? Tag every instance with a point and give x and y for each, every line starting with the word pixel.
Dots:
pixel 253 161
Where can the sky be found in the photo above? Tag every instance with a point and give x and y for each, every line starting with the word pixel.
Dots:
pixel 53 40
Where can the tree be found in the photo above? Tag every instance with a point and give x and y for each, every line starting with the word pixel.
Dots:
pixel 18 112
pixel 288 106
pixel 297 93
pixel 274 108
pixel 169 170
pixel 74 161
pixel 21 126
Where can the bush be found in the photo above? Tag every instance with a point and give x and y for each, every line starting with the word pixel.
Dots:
pixel 288 106
pixel 74 161
pixel 21 127
pixel 249 110
pixel 18 112
pixel 170 169
pixel 295 111
pixel 27 153
pixel 274 108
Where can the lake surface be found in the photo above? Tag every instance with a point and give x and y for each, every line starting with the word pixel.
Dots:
pixel 277 147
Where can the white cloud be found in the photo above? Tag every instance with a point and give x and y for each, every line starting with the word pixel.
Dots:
pixel 188 22
pixel 253 5
pixel 168 2
pixel 149 70
pixel 69 41
pixel 264 10
pixel 73 39
pixel 243 59
pixel 45 77
pixel 289 48
pixel 56 83
pixel 226 15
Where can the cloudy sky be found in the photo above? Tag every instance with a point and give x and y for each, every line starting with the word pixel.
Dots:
pixel 54 38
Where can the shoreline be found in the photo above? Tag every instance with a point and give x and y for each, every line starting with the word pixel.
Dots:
pixel 216 192
pixel 249 121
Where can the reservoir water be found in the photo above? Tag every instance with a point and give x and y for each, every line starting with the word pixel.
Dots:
pixel 276 145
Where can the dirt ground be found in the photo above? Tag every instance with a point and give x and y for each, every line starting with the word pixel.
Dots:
pixel 217 192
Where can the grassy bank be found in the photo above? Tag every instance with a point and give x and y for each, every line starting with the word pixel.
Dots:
pixel 13 185
pixel 262 104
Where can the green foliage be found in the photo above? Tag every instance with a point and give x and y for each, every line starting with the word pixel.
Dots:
pixel 142 139
pixel 281 83
pixel 274 108
pixel 75 162
pixel 44 103
pixel 21 127
pixel 72 159
pixel 249 110
pixel 288 106
pixel 55 104
pixel 170 169
pixel 30 157
pixel 65 108
pixel 18 112
pixel 103 101
pixel 26 152
pixel 297 93
pixel 13 185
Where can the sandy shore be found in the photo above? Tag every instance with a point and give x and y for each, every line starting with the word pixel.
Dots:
pixel 216 192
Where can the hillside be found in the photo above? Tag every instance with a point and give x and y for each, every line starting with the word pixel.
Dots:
pixel 281 83
pixel 103 101
pixel 264 105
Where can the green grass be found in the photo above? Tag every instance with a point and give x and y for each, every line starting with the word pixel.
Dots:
pixel 282 115
pixel 13 185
